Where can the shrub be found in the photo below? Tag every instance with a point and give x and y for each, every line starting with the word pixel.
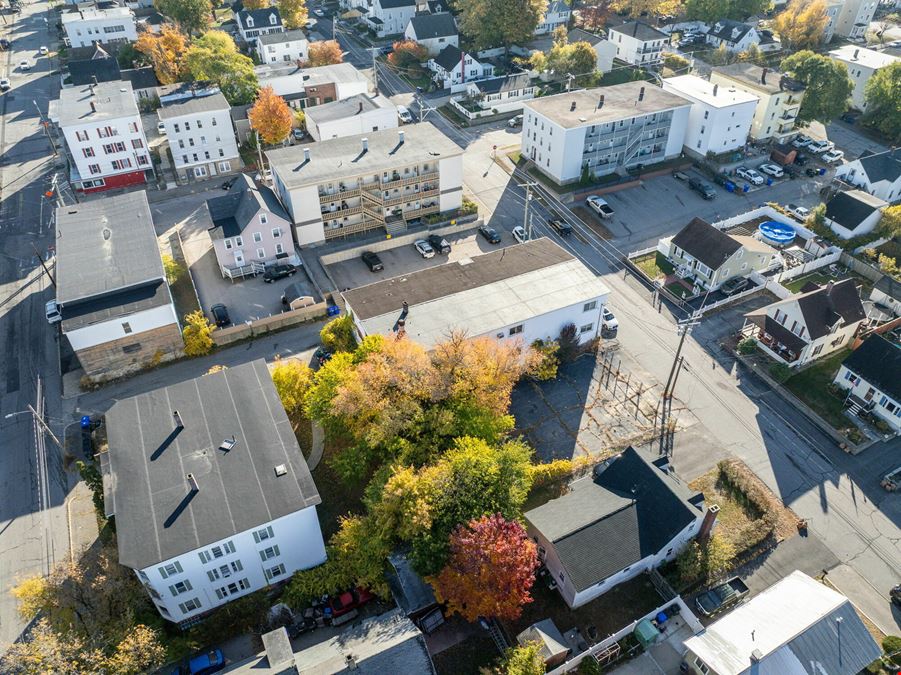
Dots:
pixel 747 346
pixel 568 344
pixel 702 563
pixel 174 269
pixel 542 474
pixel 546 367
pixel 338 334
pixel 891 645
pixel 780 372
pixel 90 474
pixel 468 207
pixel 198 334
pixel 523 660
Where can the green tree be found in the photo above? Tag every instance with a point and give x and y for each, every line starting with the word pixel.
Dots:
pixel 524 660
pixel 828 85
pixel 293 12
pixel 494 23
pixel 546 367
pixel 883 97
pixel 174 270
pixel 801 24
pixel 194 16
pixel 890 223
pixel 576 58
pixel 339 334
pixel 215 58
pixel 198 334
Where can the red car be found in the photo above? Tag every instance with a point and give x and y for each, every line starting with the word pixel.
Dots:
pixel 342 604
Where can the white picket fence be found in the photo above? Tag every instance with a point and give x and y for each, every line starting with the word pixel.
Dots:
pixel 828 259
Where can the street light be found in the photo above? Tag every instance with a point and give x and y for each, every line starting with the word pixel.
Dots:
pixel 40 420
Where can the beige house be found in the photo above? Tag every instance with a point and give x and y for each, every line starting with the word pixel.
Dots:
pixel 779 98
pixel 709 257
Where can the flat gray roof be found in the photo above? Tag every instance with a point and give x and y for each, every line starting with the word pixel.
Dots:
pixel 105 246
pixel 339 157
pixel 287 36
pixel 111 100
pixel 336 110
pixel 620 101
pixel 149 458
pixel 194 105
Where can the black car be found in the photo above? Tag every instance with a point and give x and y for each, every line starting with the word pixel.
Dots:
pixel 276 272
pixel 439 243
pixel 373 262
pixel 4 43
pixel 227 184
pixel 849 118
pixel 490 234
pixel 801 159
pixel 220 315
pixel 562 228
pixel 702 188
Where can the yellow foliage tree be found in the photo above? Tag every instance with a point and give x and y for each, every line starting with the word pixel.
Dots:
pixel 325 53
pixel 294 13
pixel 801 24
pixel 32 595
pixel 165 51
pixel 270 116
pixel 292 380
pixel 256 4
pixel 139 652
pixel 197 334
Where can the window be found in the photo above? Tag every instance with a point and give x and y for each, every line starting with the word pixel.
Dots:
pixel 177 129
pixel 180 587
pixel 239 241
pixel 187 126
pixel 191 142
pixel 588 306
pixel 126 327
pixel 264 219
pixel 213 574
pixel 222 154
pixel 276 571
pixel 190 605
pixel 131 349
pixel 199 171
pixel 217 551
pixel 120 164
pixel 81 135
pixel 214 122
pixel 200 126
pixel 184 159
pixel 268 553
pixel 516 330
pixel 87 152
pixel 206 154
pixel 142 160
pixel 264 534
pixel 194 156
pixel 701 665
pixel 224 166
pixel 261 253
pixel 228 244
pixel 279 249
pixel 94 169
pixel 170 569
pixel 137 143
pixel 257 237
pixel 236 566
pixel 587 328
pixel 243 584
pixel 817 350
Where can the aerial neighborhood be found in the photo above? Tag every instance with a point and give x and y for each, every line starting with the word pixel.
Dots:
pixel 414 336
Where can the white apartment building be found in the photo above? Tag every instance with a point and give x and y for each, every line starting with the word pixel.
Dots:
pixel 387 17
pixel 862 64
pixel 779 98
pixel 304 87
pixel 359 114
pixel 212 497
pixel 289 47
pixel 720 118
pixel 252 23
pixel 104 137
pixel 854 18
pixel 833 9
pixel 380 180
pixel 86 27
pixel 557 14
pixel 599 130
pixel 638 43
pixel 201 137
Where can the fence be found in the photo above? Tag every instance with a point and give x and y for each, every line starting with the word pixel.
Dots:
pixel 768 212
pixel 494 111
pixel 828 259
pixel 860 267
pixel 770 284
pixel 225 336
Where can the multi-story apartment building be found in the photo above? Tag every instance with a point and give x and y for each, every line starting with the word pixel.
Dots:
pixel 380 180
pixel 779 98
pixel 289 47
pixel 88 26
pixel 833 9
pixel 862 64
pixel 252 23
pixel 104 137
pixel 854 18
pixel 600 130
pixel 212 497
pixel 638 43
pixel 556 15
pixel 201 137
pixel 720 118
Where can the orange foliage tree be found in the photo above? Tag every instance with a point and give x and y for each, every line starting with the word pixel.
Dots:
pixel 325 53
pixel 490 571
pixel 408 54
pixel 165 51
pixel 270 116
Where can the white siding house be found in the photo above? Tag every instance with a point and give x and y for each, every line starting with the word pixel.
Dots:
pixel 88 26
pixel 304 87
pixel 557 14
pixel 878 174
pixel 638 43
pixel 201 137
pixel 351 116
pixel 433 31
pixel 388 17
pixel 252 23
pixel 853 213
pixel 453 68
pixel 289 47
pixel 871 375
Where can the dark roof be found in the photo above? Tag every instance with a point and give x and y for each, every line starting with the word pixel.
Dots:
pixel 80 313
pixel 494 85
pixel 193 105
pixel 411 592
pixel 824 306
pixel 581 35
pixel 723 29
pixel 432 283
pixel 449 58
pixel 260 17
pixel 239 112
pixel 104 246
pixel 890 286
pixel 394 4
pixel 878 361
pixel 235 210
pixel 779 332
pixel 155 19
pixel 703 241
pixel 640 31
pixel 434 25
pixel 850 209
pixel 287 36
pixel 881 165
pixel 239 489
pixel 615 518
pixel 84 71
pixel 141 78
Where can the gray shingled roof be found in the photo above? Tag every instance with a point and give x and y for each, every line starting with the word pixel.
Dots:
pixel 824 306
pixel 581 35
pixel 287 36
pixel 260 17
pixel 494 85
pixel 84 71
pixel 723 29
pixel 703 241
pixel 194 105
pixel 878 361
pixel 231 213
pixel 149 459
pixel 427 26
pixel 640 31
pixel 850 209
pixel 449 57
pixel 881 165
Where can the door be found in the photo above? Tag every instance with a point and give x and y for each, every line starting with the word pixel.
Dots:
pixel 239 258
pixel 869 395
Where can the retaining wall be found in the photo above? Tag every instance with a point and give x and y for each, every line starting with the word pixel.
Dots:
pixel 225 336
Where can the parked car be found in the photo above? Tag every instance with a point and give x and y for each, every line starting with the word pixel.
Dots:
pixel 722 597
pixel 298 134
pixel 490 234
pixel 24 65
pixel 849 118
pixel 350 600
pixel 519 234
pixel 749 175
pixel 4 84
pixel 560 226
pixel 734 285
pixel 220 315
pixel 372 260
pixel 318 12
pixel 51 310
pixel 515 122
pixel 833 156
pixel 680 175
pixel 278 271
pixel 895 595
pixel 609 323
pixel 161 128
pixel 227 185
pixel 4 44
pixel 321 356
pixel 43 51
pixel 702 188
pixel 818 147
pixel 600 206
pixel 439 243
pixel 424 249
pixel 404 115
pixel 205 664
pixel 798 212
pixel 801 141
pixel 772 170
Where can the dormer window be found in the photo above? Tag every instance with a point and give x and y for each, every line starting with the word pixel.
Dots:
pixel 273 19
pixel 250 22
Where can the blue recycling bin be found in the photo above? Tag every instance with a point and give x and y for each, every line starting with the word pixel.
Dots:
pixel 769 181
pixel 333 310
pixel 745 187
pixel 85 421
pixel 822 171
pixel 729 185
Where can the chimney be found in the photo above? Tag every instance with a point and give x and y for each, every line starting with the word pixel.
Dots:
pixel 306 154
pixel 177 419
pixel 641 94
pixel 856 52
pixel 763 76
pixel 350 662
pixel 365 143
pixel 572 106
pixel 360 108
pixel 192 482
pixel 716 88
pixel 400 137
pixel 756 658
pixel 708 523
pixel 94 80
pixel 93 105
pixel 600 101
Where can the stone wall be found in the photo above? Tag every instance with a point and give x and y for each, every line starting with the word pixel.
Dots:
pixel 132 353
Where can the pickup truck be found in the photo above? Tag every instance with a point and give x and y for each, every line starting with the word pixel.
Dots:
pixel 600 206
pixel 721 597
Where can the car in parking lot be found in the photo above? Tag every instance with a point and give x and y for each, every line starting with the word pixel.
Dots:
pixel 515 122
pixel 680 175
pixel 801 159
pixel 439 243
pixel 798 212
pixel 279 271
pixel 161 128
pixel 749 175
pixel 772 170
pixel 801 141
pixel 24 65
pixel 4 84
pixel 600 206
pixel 810 171
pixel 43 51
pixel 817 147
pixel 833 156
pixel 702 188
pixel 519 234
pixel 424 249
pixel 220 315
pixel 490 234
pixel 734 285
pixel 372 260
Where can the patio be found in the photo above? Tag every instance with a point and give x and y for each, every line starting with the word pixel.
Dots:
pixel 663 657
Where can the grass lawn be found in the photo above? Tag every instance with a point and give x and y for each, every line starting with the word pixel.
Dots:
pixel 515 156
pixel 467 657
pixel 796 284
pixel 183 293
pixel 339 497
pixel 654 266
pixel 679 290
pixel 812 386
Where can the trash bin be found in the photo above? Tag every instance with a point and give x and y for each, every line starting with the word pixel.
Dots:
pixel 333 310
pixel 745 187
pixel 85 421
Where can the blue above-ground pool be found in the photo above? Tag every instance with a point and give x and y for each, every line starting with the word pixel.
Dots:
pixel 777 234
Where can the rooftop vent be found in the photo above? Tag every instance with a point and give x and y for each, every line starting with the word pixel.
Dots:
pixel 583 119
pixel 93 105
pixel 192 483
pixel 600 101
pixel 400 137
pixel 572 106
pixel 106 233
pixel 856 52
pixel 763 76
pixel 177 419
pixel 281 470
pixel 306 154
pixel 716 88
pixel 365 142
pixel 641 94
pixel 228 444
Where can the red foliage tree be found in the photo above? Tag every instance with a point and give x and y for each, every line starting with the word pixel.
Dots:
pixel 490 571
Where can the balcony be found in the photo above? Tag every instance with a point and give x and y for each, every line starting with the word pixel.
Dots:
pixel 408 180
pixel 352 228
pixel 329 214
pixel 342 192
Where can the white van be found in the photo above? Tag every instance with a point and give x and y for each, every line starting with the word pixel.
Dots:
pixel 51 309
pixel 404 115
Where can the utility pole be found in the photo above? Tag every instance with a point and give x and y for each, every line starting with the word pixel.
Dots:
pixel 40 420
pixel 260 155
pixel 526 220
pixel 375 70
pixel 667 400
pixel 47 271
pixel 569 80
pixel 424 108
pixel 46 127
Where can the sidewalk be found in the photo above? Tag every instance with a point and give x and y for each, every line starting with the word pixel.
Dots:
pixel 869 601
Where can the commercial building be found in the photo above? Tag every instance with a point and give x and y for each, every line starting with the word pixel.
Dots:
pixel 433 31
pixel 525 292
pixel 601 130
pixel 638 43
pixel 290 46
pixel 357 114
pixel 877 173
pixel 779 98
pixel 90 25
pixel 200 136
pixel 212 497
pixel 797 625
pixel 117 311
pixel 252 23
pixel 104 137
pixel 380 180
pixel 853 213
pixel 862 64
pixel 854 18
pixel 872 377
pixel 720 118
